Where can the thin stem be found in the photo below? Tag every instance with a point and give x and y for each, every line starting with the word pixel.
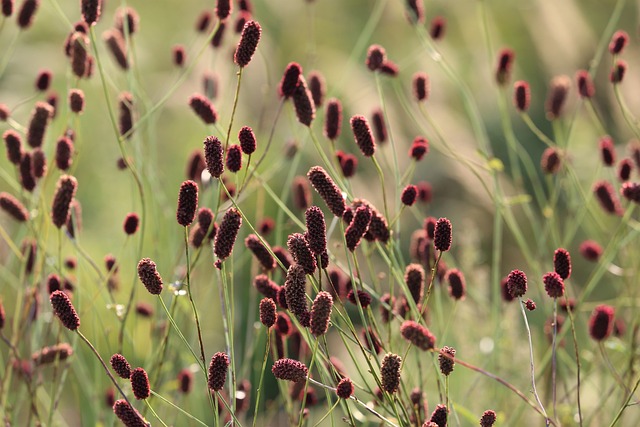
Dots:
pixel 264 365
pixel 578 364
pixel 553 356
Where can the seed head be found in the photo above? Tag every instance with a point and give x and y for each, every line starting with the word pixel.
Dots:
pixel 26 13
pixel 253 243
pixel 13 142
pixel 27 179
pixel 562 263
pixel 358 227
pixel 303 103
pixel 362 134
pixel 414 278
pixel 247 140
pixel 379 126
pixel 333 119
pixel 442 235
pixel 553 284
pixel 316 235
pixel 290 370
pixel 625 166
pixel 345 388
pixel 390 372
pixel 446 363
pixel 488 418
pixel 39 163
pixel 140 384
pixel 327 189
pixel 227 233
pixel 248 43
pixel 125 115
pixel 295 290
pixel 266 286
pixel 376 55
pixel 530 305
pixel 321 313
pixel 439 416
pixel 203 108
pixel 457 284
pixel 618 71
pixel 517 283
pixel 556 96
pixel 128 415
pixel 421 86
pixel 40 116
pixel 43 80
pixel 268 313
pixel 586 89
pixel 223 9
pixel 64 153
pixel 126 20
pixel 131 222
pixel 187 203
pixel 317 87
pixel 13 207
pixel 591 250
pixel 234 158
pixel 607 197
pixel 65 191
pixel 550 161
pixel 7 8
pixel 409 195
pixel 179 55
pixel 116 45
pixel 213 156
pixel 607 150
pixel 601 322
pixel 521 96
pixel 63 308
pixel 149 276
pixel 289 81
pixel 505 64
pixel 438 25
pixel 120 366
pixel 618 42
pixel 78 48
pixel 419 148
pixel 301 253
pixel 418 335
pixel 631 191
pixel 218 371
pixel 91 11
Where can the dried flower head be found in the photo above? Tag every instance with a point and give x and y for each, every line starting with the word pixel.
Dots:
pixel 345 388
pixel 234 158
pixel 607 197
pixel 457 283
pixel 64 153
pixel 128 415
pixel 213 156
pixel 327 189
pixel 390 372
pixel 316 235
pixel 553 284
pixel 295 290
pixel 625 167
pixel 562 263
pixel 317 87
pixel 13 207
pixel 618 42
pixel 333 119
pixel 268 313
pixel 289 370
pixel 488 418
pixel 446 363
pixel 65 191
pixel 442 234
pixel 227 233
pixel 358 227
pixel 131 222
pixel 63 308
pixel 521 95
pixel 140 384
pixel 376 55
pixel 517 283
pixel 38 122
pixel 363 136
pixel 303 103
pixel 262 254
pixel 301 253
pixel 556 96
pixel 204 109
pixel 149 276
pixel 418 335
pixel 505 64
pixel 591 250
pixel 321 313
pixel 248 43
pixel 601 322
pixel 586 89
pixel 120 366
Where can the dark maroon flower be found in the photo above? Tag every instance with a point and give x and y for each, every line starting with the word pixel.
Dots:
pixel 227 233
pixel 13 207
pixel 216 40
pixel 439 416
pixel 76 101
pixel 379 126
pixel 262 254
pixel 586 89
pixel 247 140
pixel 301 253
pixel 327 189
pixel 421 86
pixel 203 21
pixel 390 372
pixel 26 13
pixel 562 263
pixel 187 203
pixel 64 310
pixel 79 48
pixel 376 55
pixel 13 143
pixel 358 227
pixel 601 322
pixel 607 197
pixel 333 119
pixel 144 309
pixel 321 313
pixel 248 43
pixel 27 179
pixel 504 290
pixel 131 222
pixel 618 71
pixel 126 20
pixel 43 80
pixel 213 156
pixel 317 87
pixel 457 284
pixel 128 415
pixel 419 148
pixel 266 286
pixel 556 96
pixel 517 283
pixel 65 191
pixel 530 304
pixel 316 235
pixel 618 42
pixel 234 158
pixel 283 324
pixel 362 135
pixel 505 64
pixel 418 335
pixel 223 9
pixel 38 163
pixel 295 290
pixel 363 297
pixel 446 363
pixel 550 161
pixel 438 25
pixel 91 10
pixel 50 354
pixel 64 153
pixel 345 388
pixel 625 167
pixel 591 250
pixel 553 284
pixel 117 46
pixel 241 19
pixel 289 80
pixel 607 150
pixel 290 370
pixel 125 115
pixel 203 108
pixel 38 122
pixel 149 276
pixel 425 192
pixel 414 278
pixel 409 195
pixel 179 55
pixel 185 380
pixel 303 103
pixel 415 11
pixel 521 95
pixel 218 371
pixel 301 193
pixel 631 191
pixel 488 418
pixel 389 68
pixel 268 313
pixel 120 366
pixel 442 235
pixel 7 8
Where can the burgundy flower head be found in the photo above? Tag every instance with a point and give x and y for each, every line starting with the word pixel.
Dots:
pixel 316 234
pixel 553 284
pixel 562 263
pixel 345 388
pixel 131 222
pixel 289 81
pixel 290 370
pixel 421 86
pixel 247 140
pixel 218 371
pixel 63 309
pixel 253 243
pixel 517 283
pixel 409 195
pixel 128 415
pixel 65 192
pixel 203 108
pixel 120 366
pixel 149 276
pixel 227 233
pixel 586 89
pixel 607 150
pixel 601 322
pixel 268 313
pixel 521 96
pixel 618 42
pixel 327 189
pixel 363 136
pixel 333 119
pixel 446 363
pixel 442 234
pixel 505 64
pixel 418 335
pixel 390 372
pixel 248 43
pixel 556 96
pixel 457 284
pixel 591 250
pixel 376 55
pixel 321 313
